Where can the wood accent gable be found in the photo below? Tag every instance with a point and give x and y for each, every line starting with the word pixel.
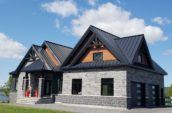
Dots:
pixel 51 56
pixel 88 56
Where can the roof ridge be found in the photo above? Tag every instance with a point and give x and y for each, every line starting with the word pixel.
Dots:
pixel 36 45
pixel 58 44
pixel 104 31
pixel 132 36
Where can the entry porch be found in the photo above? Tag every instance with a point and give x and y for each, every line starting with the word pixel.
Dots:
pixel 38 87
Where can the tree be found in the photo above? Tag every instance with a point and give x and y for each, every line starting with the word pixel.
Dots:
pixel 6 88
pixel 168 91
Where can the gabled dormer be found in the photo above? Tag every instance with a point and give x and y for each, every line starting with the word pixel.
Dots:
pixel 142 56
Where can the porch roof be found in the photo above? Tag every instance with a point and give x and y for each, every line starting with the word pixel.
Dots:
pixel 38 65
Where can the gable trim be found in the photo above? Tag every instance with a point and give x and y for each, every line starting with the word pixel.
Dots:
pixel 119 54
pixel 83 48
pixel 143 41
pixel 76 47
pixel 56 57
pixel 24 59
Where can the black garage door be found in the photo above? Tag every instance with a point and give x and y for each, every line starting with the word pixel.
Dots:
pixel 154 99
pixel 137 94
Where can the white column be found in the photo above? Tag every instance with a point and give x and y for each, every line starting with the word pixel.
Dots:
pixel 41 87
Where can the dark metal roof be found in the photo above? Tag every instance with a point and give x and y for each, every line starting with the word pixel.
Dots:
pixel 129 45
pixel 124 49
pixel 157 68
pixel 96 64
pixel 108 40
pixel 37 65
pixel 60 51
pixel 47 59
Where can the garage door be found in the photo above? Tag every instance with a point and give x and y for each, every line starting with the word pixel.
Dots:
pixel 138 94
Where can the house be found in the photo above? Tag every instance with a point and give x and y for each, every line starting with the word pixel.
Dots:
pixel 102 69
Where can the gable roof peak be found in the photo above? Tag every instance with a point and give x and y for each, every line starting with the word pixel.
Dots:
pixel 93 27
pixel 34 45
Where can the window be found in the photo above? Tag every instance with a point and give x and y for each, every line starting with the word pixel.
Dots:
pixel 107 87
pixel 59 85
pixel 76 86
pixel 142 59
pixel 97 56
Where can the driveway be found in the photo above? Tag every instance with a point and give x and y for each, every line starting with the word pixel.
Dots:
pixel 96 109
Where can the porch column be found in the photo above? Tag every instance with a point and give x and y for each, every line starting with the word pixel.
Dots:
pixel 29 84
pixel 41 87
pixel 24 86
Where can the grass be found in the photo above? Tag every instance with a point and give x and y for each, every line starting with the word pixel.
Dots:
pixel 7 108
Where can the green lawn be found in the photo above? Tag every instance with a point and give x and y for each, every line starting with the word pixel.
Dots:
pixel 7 108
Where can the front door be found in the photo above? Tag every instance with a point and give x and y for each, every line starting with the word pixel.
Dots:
pixel 138 94
pixel 47 88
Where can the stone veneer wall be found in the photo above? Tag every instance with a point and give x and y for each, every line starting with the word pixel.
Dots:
pixel 149 78
pixel 20 93
pixel 13 97
pixel 91 87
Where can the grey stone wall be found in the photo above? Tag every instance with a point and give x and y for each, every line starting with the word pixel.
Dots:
pixel 91 81
pixel 149 78
pixel 93 100
pixel 13 97
pixel 91 87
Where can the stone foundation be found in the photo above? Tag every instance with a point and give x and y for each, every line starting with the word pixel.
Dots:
pixel 93 100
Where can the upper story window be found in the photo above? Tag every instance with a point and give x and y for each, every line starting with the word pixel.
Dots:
pixel 77 86
pixel 98 56
pixel 142 59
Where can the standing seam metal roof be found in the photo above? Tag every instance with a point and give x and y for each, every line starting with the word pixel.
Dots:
pixel 60 51
pixel 123 48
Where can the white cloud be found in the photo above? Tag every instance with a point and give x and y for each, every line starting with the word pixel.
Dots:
pixel 57 23
pixel 61 7
pixel 10 48
pixel 161 20
pixel 116 20
pixel 168 52
pixel 92 2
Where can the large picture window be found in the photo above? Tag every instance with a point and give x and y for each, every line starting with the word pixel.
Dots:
pixel 107 87
pixel 77 86
pixel 98 56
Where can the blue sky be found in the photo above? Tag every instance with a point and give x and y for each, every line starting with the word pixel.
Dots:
pixel 27 22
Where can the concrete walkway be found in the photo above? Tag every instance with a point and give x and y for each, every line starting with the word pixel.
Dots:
pixel 96 109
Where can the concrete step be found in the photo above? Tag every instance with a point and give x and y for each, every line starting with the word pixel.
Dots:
pixel 29 100
pixel 45 100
